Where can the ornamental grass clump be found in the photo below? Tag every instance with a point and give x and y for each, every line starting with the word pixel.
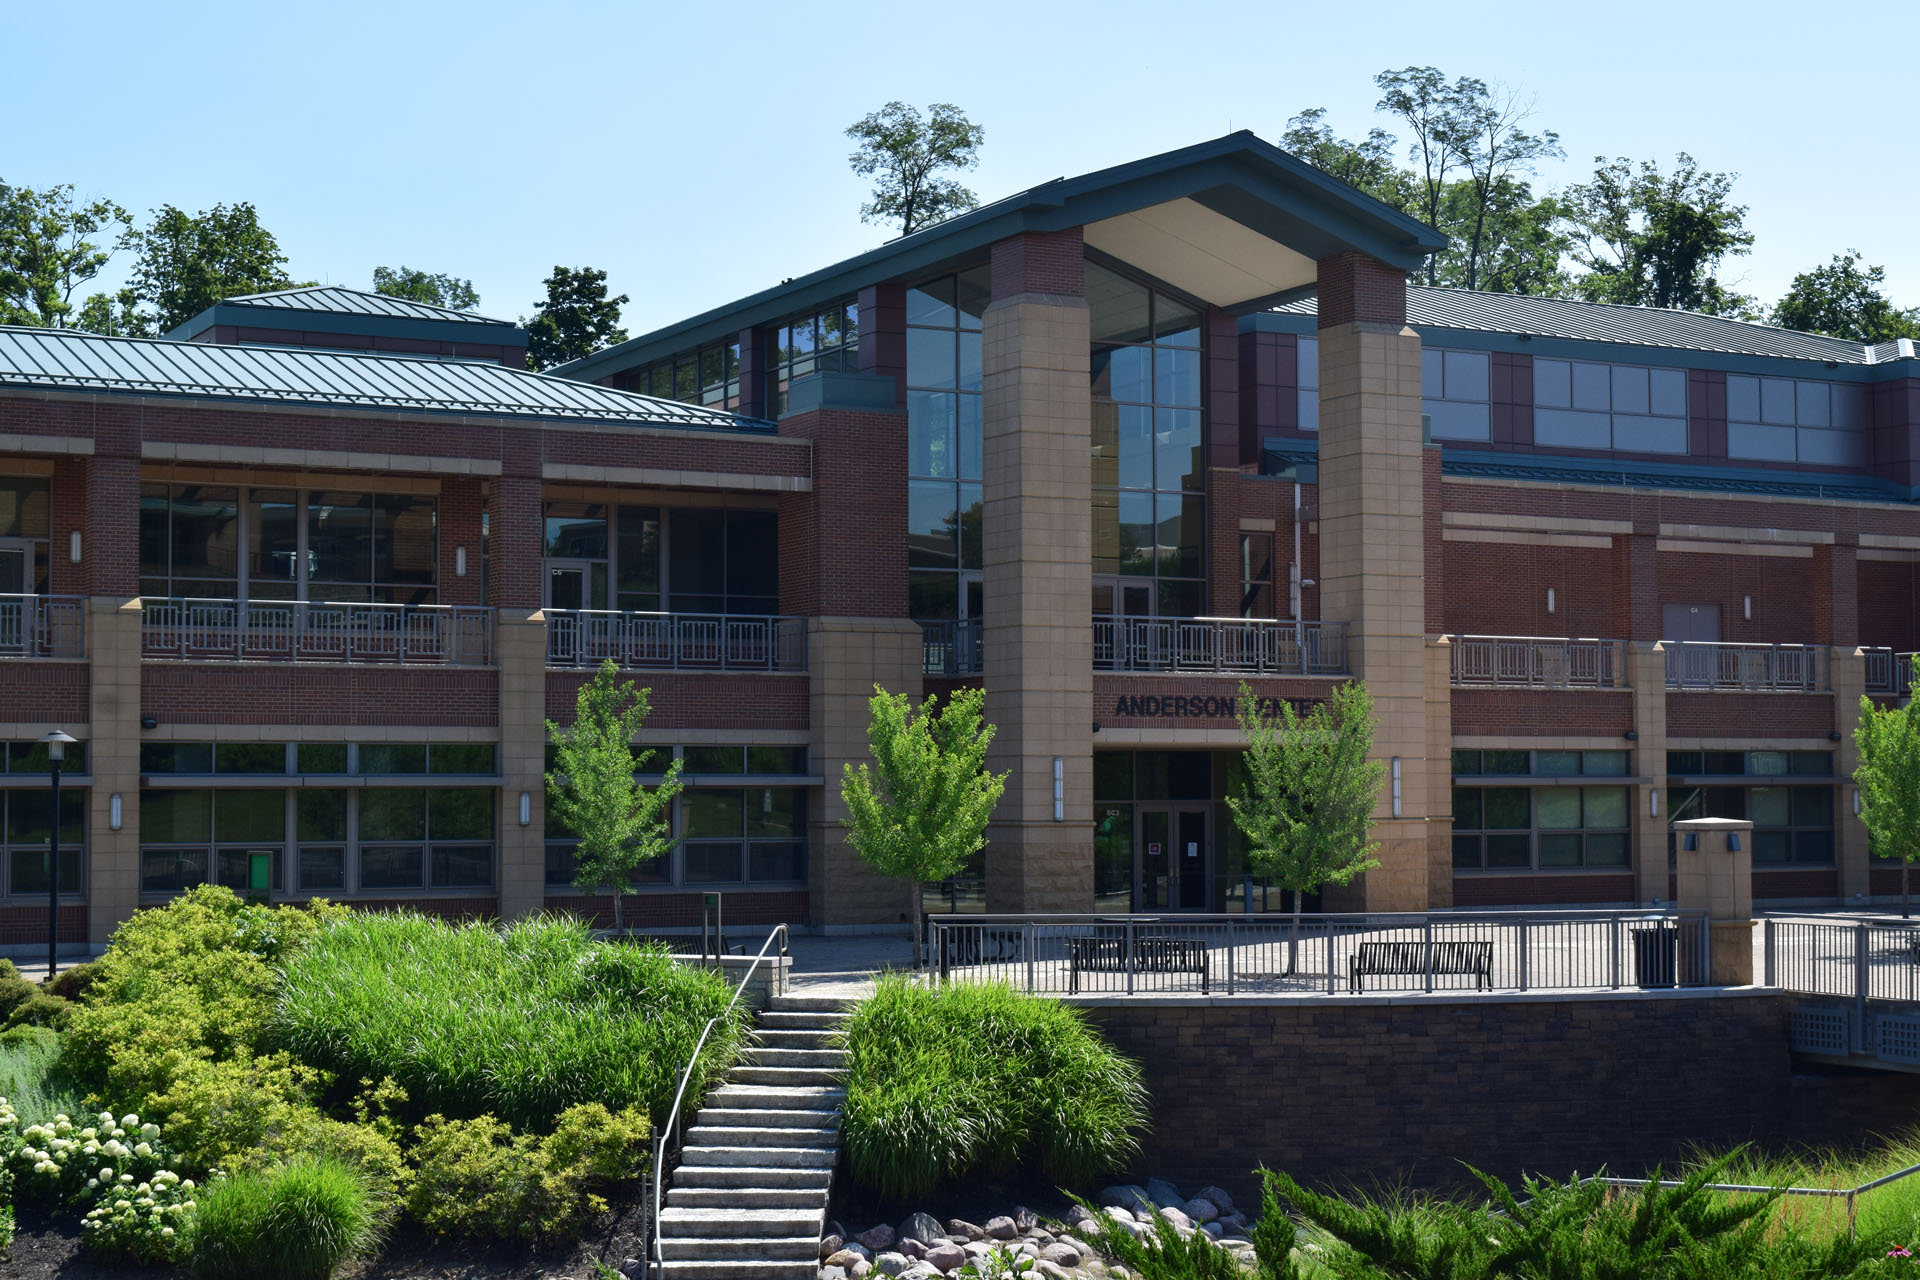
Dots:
pixel 973 1079
pixel 520 1022
pixel 298 1222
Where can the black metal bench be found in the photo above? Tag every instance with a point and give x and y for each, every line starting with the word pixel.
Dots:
pixel 1417 959
pixel 1150 954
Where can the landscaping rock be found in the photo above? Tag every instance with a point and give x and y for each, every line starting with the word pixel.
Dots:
pixel 1221 1200
pixel 1078 1215
pixel 946 1256
pixel 1213 1229
pixel 891 1263
pixel 1117 1213
pixel 1061 1255
pixel 1128 1196
pixel 1180 1220
pixel 1235 1221
pixel 830 1244
pixel 833 1273
pixel 1164 1194
pixel 1200 1210
pixel 877 1238
pixel 961 1227
pixel 912 1248
pixel 1078 1245
pixel 860 1270
pixel 920 1271
pixel 1025 1219
pixel 922 1227
pixel 1049 1270
pixel 848 1255
pixel 1001 1228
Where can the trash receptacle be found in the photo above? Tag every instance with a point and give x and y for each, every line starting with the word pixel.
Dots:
pixel 1656 949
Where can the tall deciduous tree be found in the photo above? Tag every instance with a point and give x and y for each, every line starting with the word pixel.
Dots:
pixel 922 810
pixel 909 153
pixel 1308 793
pixel 1657 239
pixel 1435 112
pixel 1366 164
pixel 575 319
pixel 434 289
pixel 1489 131
pixel 1888 777
pixel 621 823
pixel 186 262
pixel 1845 300
pixel 51 245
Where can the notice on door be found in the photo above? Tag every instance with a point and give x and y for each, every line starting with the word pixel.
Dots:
pixel 1153 850
pixel 1193 849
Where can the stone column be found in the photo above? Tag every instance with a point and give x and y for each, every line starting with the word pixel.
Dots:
pixel 113 758
pixel 1716 876
pixel 1372 544
pixel 1038 576
pixel 1647 674
pixel 520 651
pixel 1439 709
pixel 1849 672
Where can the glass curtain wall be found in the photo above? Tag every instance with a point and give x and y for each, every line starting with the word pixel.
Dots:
pixel 944 503
pixel 24 508
pixel 645 559
pixel 1149 504
pixel 823 341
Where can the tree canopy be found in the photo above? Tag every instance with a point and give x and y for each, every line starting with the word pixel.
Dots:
pixel 1888 778
pixel 50 245
pixel 415 285
pixel 575 319
pixel 1657 239
pixel 909 153
pixel 184 263
pixel 1845 300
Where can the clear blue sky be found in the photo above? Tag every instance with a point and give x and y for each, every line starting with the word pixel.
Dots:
pixel 695 151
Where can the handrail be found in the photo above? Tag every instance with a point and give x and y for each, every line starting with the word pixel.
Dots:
pixel 1852 1194
pixel 1552 662
pixel 658 1259
pixel 676 641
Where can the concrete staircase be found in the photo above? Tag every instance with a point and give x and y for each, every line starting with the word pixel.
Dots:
pixel 749 1200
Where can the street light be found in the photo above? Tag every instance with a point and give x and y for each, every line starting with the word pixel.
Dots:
pixel 56 743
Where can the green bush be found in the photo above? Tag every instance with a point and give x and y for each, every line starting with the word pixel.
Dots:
pixel 519 1022
pixel 972 1078
pixel 298 1222
pixel 479 1178
pixel 216 1111
pixel 14 992
pixel 72 984
pixel 145 1223
pixel 40 1010
pixel 75 1160
pixel 33 1077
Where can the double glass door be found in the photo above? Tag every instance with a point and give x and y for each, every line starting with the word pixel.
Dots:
pixel 1172 859
pixel 16 559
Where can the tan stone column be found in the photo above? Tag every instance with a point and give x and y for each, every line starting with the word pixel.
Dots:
pixel 113 758
pixel 1372 547
pixel 846 658
pixel 520 652
pixel 1439 773
pixel 1038 579
pixel 1647 673
pixel 1849 671
pixel 1717 878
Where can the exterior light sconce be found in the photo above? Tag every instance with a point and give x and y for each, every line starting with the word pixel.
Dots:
pixel 1733 842
pixel 1397 805
pixel 73 546
pixel 459 562
pixel 1653 802
pixel 113 811
pixel 1059 789
pixel 1856 800
pixel 526 808
pixel 1550 600
pixel 1746 607
pixel 1833 735
pixel 1692 842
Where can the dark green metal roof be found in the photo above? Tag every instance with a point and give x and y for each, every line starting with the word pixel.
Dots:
pixel 336 298
pixel 69 360
pixel 331 309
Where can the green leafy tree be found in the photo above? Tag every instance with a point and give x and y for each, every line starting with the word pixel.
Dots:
pixel 1490 132
pixel 1845 300
pixel 922 810
pixel 436 290
pixel 185 263
pixel 1366 165
pixel 909 153
pixel 1308 793
pixel 1436 114
pixel 1656 239
pixel 621 824
pixel 575 319
pixel 51 245
pixel 1888 777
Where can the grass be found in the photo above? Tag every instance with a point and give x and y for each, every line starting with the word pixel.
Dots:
pixel 977 1079
pixel 521 1022
pixel 296 1223
pixel 32 1079
pixel 1891 1212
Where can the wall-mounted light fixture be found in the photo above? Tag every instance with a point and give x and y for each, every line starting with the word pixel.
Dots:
pixel 113 811
pixel 1733 842
pixel 1397 806
pixel 1856 800
pixel 459 562
pixel 526 808
pixel 1746 607
pixel 1653 802
pixel 1550 601
pixel 73 546
pixel 1059 789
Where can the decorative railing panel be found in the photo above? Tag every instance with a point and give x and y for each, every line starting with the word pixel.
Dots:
pixel 951 647
pixel 1537 662
pixel 676 641
pixel 1232 646
pixel 1752 668
pixel 316 631
pixel 1889 673
pixel 43 626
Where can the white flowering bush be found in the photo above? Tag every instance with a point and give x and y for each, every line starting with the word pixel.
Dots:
pixel 68 1161
pixel 9 1144
pixel 144 1222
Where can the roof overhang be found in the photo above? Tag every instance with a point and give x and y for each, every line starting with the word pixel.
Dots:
pixel 1233 221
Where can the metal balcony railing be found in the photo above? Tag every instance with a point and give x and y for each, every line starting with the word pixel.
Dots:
pixel 676 641
pixel 1537 662
pixel 316 631
pixel 1889 673
pixel 43 626
pixel 1753 668
pixel 951 647
pixel 1238 646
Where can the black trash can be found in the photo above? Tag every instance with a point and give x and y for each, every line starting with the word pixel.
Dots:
pixel 1656 954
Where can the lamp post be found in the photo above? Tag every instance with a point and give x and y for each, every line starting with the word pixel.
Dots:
pixel 56 742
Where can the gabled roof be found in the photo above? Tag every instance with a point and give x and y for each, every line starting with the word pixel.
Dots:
pixel 339 299
pixel 1609 322
pixel 70 360
pixel 1243 219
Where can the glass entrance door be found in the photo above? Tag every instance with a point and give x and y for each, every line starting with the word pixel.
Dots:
pixel 1191 854
pixel 13 568
pixel 1152 893
pixel 1174 861
pixel 566 585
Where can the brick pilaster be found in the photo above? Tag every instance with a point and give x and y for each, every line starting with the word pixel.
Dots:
pixel 883 337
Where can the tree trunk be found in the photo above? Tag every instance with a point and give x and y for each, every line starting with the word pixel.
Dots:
pixel 914 915
pixel 618 927
pixel 1293 937
pixel 1906 898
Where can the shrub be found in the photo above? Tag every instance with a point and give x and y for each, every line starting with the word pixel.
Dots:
pixel 14 992
pixel 217 1111
pixel 40 1010
pixel 971 1077
pixel 72 984
pixel 519 1022
pixel 477 1177
pixel 65 1160
pixel 1162 1253
pixel 145 1223
pixel 297 1222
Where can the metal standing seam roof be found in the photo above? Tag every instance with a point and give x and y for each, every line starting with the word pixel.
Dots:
pixel 335 298
pixel 1581 321
pixel 70 360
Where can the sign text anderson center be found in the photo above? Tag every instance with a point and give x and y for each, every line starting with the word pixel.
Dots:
pixel 1197 707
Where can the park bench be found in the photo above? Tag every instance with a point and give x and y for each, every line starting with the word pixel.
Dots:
pixel 1417 959
pixel 1149 954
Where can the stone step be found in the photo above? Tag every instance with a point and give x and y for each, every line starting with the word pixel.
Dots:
pixel 768 1117
pixel 757 1269
pixel 793 1002
pixel 796 1038
pixel 772 1056
pixel 796 1098
pixel 740 1223
pixel 749 1197
pixel 805 1248
pixel 703 1135
pixel 761 1157
pixel 783 1076
pixel 762 1176
pixel 802 1019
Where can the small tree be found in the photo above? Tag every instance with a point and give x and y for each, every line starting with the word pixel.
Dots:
pixel 908 152
pixel 922 810
pixel 621 824
pixel 575 319
pixel 1308 793
pixel 1888 777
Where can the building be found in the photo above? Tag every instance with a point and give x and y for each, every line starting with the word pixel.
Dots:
pixel 1109 447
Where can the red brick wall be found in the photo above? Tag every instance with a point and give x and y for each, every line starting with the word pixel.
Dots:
pixel 112 550
pixel 1541 713
pixel 1782 590
pixel 1433 541
pixel 27 926
pixel 1749 715
pixel 284 693
pixel 1818 882
pixel 67 498
pixel 883 336
pixel 1354 286
pixel 733 700
pixel 517 533
pixel 459 510
pixel 1501 589
pixel 1530 891
pixel 680 451
pixel 1040 262
pixel 54 692
pixel 843 547
pixel 1889 614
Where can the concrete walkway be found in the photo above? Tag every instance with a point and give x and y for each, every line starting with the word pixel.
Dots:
pixel 844 966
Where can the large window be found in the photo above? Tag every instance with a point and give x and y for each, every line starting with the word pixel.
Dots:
pixel 365 759
pixel 1581 405
pixel 23 535
pixel 708 376
pixel 24 823
pixel 944 316
pixel 1796 420
pixel 1149 476
pixel 1787 795
pixel 1554 827
pixel 1307 380
pixel 218 542
pixel 823 341
pixel 650 559
pixel 1454 394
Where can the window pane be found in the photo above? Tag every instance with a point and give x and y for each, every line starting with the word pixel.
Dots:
pixel 1767 764
pixel 1812 807
pixel 174 817
pixel 753 561
pixel 1507 808
pixel 1507 763
pixel 321 757
pixel 1175 324
pixel 562 858
pixel 465 814
pixel 932 302
pixel 933 595
pixel 932 525
pixel 711 863
pixel 397 814
pixel 206 533
pixel 1743 398
pixel 1117 307
pixel 250 757
pixel 1559 851
pixel 784 860
pixel 391 867
pixel 1768 806
pixel 931 358
pixel 250 816
pixel 1112 775
pixel 1552 388
pixel 1604 764
pixel 1808 846
pixel 153 533
pixel 931 430
pixel 1556 764
pixel 1605 806
pixel 1607 849
pixel 460 757
pixel 404 546
pixel 1176 377
pixel 30 871
pixel 273 536
pixel 970 362
pixel 1177 462
pixel 776 759
pixel 975 292
pixel 715 759
pixel 713 813
pixel 1432 376
pixel 1508 852
pixel 1466 763
pixel 323 869
pixel 639 548
pixel 776 811
pixel 696 548
pixel 1466 852
pixel 1122 373
pixel 27 816
pixel 320 815
pixel 462 866
pixel 1133 446
pixel 173 757
pixel 1772 846
pixel 393 757
pixel 1558 808
pixel 1592 385
pixel 171 870
pixel 1810 764
pixel 1466 375
pixel 970 446
pixel 1183 528
pixel 972 520
pixel 1629 389
pixel 234 869
pixel 340 537
pixel 1466 809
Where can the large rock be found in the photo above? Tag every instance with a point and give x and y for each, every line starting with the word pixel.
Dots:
pixel 1213 1229
pixel 1221 1200
pixel 1164 1194
pixel 891 1263
pixel 848 1254
pixel 1128 1196
pixel 877 1238
pixel 961 1227
pixel 1077 1215
pixel 833 1273
pixel 1052 1271
pixel 1024 1219
pixel 1179 1219
pixel 912 1248
pixel 1200 1210
pixel 921 1270
pixel 1061 1255
pixel 1001 1228
pixel 922 1227
pixel 946 1256
pixel 830 1244
pixel 1078 1245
